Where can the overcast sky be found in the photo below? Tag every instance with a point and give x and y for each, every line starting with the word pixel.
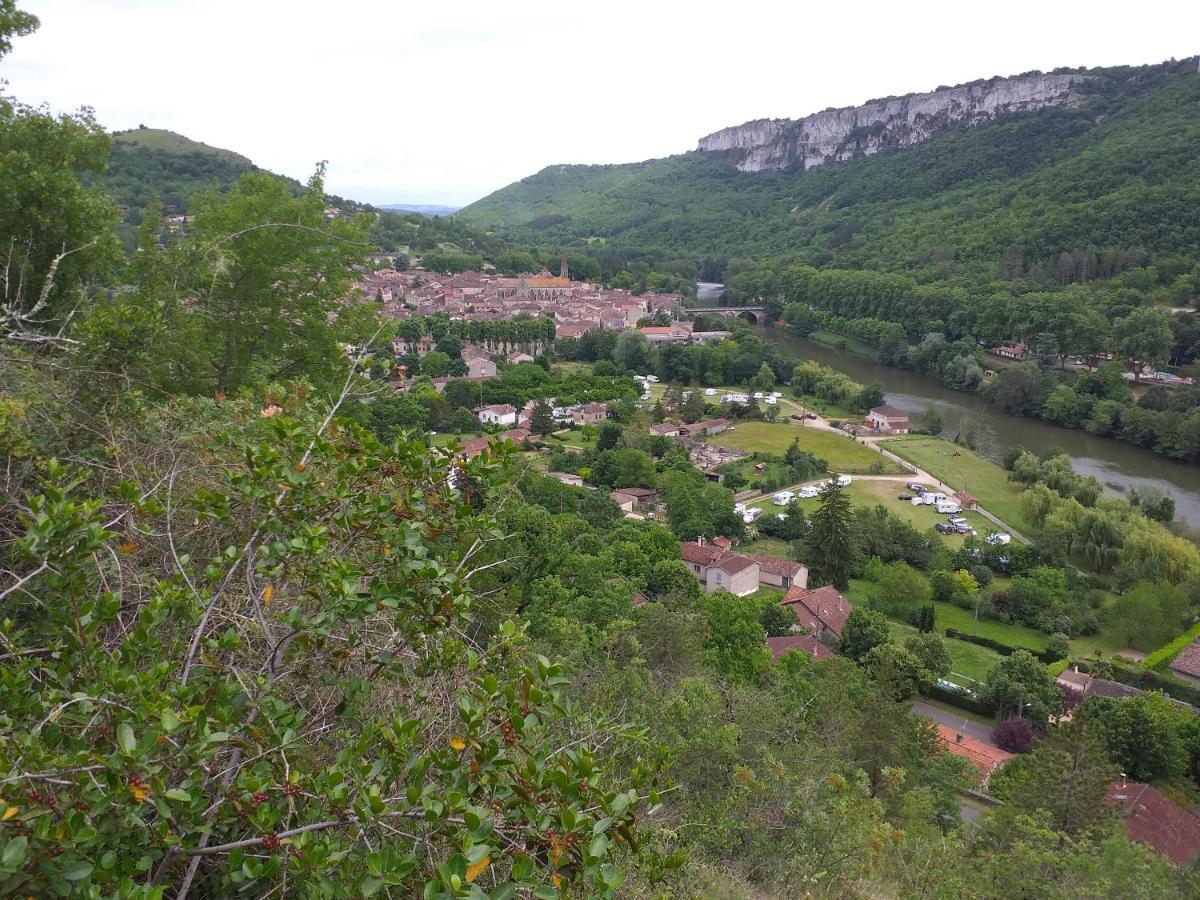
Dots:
pixel 444 102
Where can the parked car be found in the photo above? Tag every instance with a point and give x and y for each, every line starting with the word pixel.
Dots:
pixel 916 487
pixel 904 497
pixel 964 528
pixel 944 528
pixel 809 416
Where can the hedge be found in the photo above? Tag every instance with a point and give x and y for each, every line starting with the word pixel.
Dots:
pixel 1164 654
pixel 1003 649
pixel 958 699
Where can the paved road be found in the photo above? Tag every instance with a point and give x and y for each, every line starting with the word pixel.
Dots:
pixel 966 726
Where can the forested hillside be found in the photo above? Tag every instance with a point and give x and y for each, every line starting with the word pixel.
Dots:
pixel 1117 176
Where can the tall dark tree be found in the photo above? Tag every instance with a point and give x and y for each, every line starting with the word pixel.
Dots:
pixel 828 545
pixel 541 420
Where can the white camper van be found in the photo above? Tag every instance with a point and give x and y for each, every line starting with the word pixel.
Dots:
pixel 843 481
pixel 783 498
pixel 809 491
pixel 948 506
pixel 752 515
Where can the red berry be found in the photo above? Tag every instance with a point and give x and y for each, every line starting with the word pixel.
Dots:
pixel 259 799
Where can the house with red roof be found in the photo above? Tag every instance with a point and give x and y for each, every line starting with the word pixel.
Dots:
pixel 1187 664
pixel 1154 820
pixel 889 418
pixel 781 573
pixel 822 612
pixel 719 569
pixel 801 643
pixel 985 757
pixel 590 414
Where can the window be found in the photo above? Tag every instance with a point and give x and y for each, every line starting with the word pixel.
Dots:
pixel 787 582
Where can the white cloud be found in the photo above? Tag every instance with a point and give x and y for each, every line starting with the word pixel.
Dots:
pixel 432 102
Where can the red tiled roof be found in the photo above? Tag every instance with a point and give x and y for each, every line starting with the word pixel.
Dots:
pixel 1188 660
pixel 1151 818
pixel 822 606
pixel 773 565
pixel 804 643
pixel 475 445
pixel 890 412
pixel 708 556
pixel 984 757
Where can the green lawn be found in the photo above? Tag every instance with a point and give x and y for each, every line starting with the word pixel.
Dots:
pixel 871 493
pixel 947 615
pixel 766 546
pixel 825 408
pixel 573 439
pixel 964 470
pixel 969 662
pixel 841 452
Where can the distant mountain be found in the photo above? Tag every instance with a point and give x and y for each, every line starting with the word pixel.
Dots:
pixel 425 209
pixel 999 175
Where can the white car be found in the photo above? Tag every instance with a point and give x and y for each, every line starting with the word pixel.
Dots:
pixel 653 379
pixel 783 498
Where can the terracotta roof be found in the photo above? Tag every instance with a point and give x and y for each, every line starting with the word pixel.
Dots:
pixel 984 757
pixel 595 408
pixel 1152 819
pixel 475 445
pixel 891 412
pixel 500 409
pixel 664 428
pixel 723 542
pixel 804 643
pixel 709 556
pixel 1188 660
pixel 773 565
pixel 822 606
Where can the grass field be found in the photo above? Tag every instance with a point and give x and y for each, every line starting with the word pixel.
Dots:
pixel 842 453
pixel 573 439
pixel 969 662
pixel 965 471
pixel 871 493
pixel 766 546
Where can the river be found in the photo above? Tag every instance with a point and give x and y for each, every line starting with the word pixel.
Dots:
pixel 1117 466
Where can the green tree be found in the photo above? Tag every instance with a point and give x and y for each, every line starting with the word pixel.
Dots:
pixel 14 23
pixel 1144 339
pixel 864 630
pixel 956 586
pixel 931 650
pixel 541 420
pixel 736 646
pixel 436 363
pixel 828 547
pixel 1019 685
pixel 1144 735
pixel 901 589
pixel 897 670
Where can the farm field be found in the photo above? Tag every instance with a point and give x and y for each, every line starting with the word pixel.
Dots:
pixel 965 471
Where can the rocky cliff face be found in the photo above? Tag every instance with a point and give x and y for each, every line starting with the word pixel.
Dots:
pixel 836 134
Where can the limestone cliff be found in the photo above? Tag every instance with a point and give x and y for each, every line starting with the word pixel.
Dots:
pixel 887 124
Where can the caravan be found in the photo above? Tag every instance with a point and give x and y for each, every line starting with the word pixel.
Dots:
pixel 843 481
pixel 783 498
pixel 948 506
pixel 809 491
pixel 752 515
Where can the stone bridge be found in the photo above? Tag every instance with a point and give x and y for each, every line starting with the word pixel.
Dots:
pixel 752 314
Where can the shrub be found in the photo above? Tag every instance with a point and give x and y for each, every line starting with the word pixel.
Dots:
pixel 1014 734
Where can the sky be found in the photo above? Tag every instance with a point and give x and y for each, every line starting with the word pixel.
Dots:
pixel 438 102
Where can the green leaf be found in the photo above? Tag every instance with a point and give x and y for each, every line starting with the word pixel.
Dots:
pixel 125 739
pixel 14 852
pixel 371 885
pixel 170 721
pixel 180 795
pixel 78 871
pixel 216 736
pixel 504 892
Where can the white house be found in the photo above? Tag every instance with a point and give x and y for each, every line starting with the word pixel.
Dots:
pixel 501 414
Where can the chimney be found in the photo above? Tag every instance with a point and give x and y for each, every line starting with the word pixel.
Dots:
pixel 700 540
pixel 958 738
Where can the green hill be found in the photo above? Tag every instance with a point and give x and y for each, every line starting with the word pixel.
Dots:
pixel 1119 175
pixel 161 139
